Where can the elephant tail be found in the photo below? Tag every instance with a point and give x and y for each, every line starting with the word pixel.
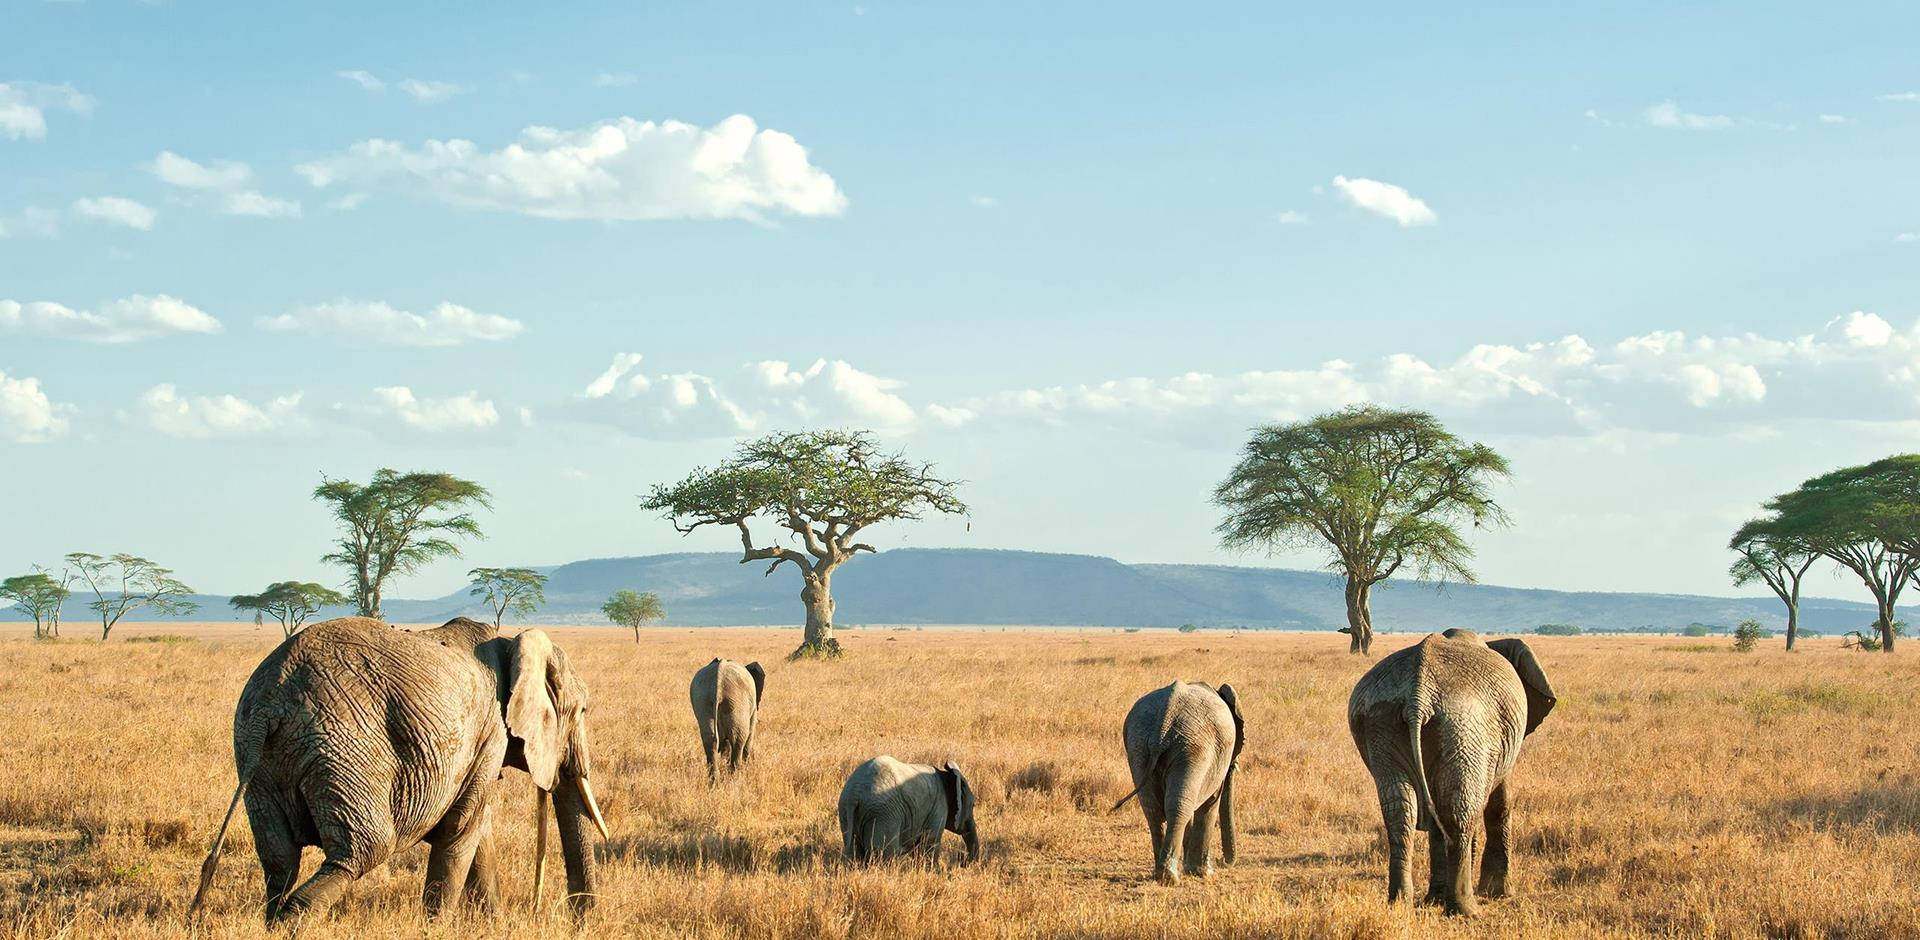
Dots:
pixel 212 863
pixel 1414 722
pixel 1123 800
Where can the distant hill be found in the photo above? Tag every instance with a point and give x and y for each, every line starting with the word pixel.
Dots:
pixel 973 586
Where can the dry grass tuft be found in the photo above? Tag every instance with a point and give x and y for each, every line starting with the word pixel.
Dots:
pixel 1670 794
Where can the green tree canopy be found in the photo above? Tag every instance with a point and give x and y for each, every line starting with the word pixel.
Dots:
pixel 825 488
pixel 634 610
pixel 1379 489
pixel 1866 519
pixel 1767 553
pixel 39 596
pixel 122 584
pixel 521 590
pixel 290 602
pixel 396 523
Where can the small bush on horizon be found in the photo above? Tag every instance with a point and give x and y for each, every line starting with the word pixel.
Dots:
pixel 1746 636
pixel 1557 629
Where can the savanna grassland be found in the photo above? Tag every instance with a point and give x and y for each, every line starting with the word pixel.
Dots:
pixel 1677 790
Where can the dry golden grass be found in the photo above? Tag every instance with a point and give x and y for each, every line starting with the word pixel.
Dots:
pixel 1674 792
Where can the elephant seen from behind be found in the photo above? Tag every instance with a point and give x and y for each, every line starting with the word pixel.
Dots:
pixel 363 740
pixel 1440 725
pixel 726 706
pixel 1183 743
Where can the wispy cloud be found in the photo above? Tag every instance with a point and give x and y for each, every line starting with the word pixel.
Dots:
pixel 616 79
pixel 1905 97
pixel 1667 114
pixel 134 318
pixel 377 322
pixel 1291 217
pixel 430 92
pixel 366 80
pixel 24 107
pixel 465 412
pixel 983 202
pixel 117 210
pixel 225 185
pixel 1835 119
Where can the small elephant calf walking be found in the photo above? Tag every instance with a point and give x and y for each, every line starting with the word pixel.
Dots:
pixel 889 808
pixel 726 705
pixel 1439 725
pixel 1183 743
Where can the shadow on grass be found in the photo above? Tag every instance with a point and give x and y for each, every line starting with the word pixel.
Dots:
pixel 697 851
pixel 1888 806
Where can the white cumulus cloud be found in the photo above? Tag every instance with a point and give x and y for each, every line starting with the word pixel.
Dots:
pixel 24 107
pixel 117 210
pixel 465 412
pixel 164 409
pixel 762 395
pixel 224 185
pixel 27 415
pixel 622 169
pixel 1385 199
pixel 131 319
pixel 375 321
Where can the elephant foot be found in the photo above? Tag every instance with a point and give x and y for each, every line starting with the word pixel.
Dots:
pixel 1493 889
pixel 1462 907
pixel 1166 876
pixel 1200 871
pixel 1432 899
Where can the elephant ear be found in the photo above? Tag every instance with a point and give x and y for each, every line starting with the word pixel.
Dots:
pixel 759 681
pixel 531 713
pixel 1540 697
pixel 950 783
pixel 1227 695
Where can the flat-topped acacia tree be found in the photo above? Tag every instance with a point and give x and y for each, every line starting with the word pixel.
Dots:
pixel 824 488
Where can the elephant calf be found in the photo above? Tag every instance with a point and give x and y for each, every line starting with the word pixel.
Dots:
pixel 888 808
pixel 726 705
pixel 1440 725
pixel 1183 742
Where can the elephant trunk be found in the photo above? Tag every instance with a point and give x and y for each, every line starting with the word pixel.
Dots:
pixel 1226 818
pixel 576 822
pixel 971 838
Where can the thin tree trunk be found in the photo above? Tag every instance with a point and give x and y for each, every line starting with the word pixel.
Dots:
pixel 1359 617
pixel 1886 626
pixel 1793 620
pixel 817 595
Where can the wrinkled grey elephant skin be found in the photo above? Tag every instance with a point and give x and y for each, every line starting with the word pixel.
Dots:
pixel 726 706
pixel 889 808
pixel 363 739
pixel 1440 725
pixel 1183 743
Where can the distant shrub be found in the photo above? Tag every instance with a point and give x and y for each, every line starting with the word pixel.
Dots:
pixel 168 638
pixel 1188 628
pixel 1746 636
pixel 1695 629
pixel 1558 629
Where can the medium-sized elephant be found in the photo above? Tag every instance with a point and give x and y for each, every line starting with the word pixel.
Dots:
pixel 1183 743
pixel 726 705
pixel 888 808
pixel 1439 725
pixel 363 739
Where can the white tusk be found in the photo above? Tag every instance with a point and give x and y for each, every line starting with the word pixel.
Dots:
pixel 539 844
pixel 593 808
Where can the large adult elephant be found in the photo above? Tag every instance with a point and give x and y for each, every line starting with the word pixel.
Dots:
pixel 1183 743
pixel 726 706
pixel 1439 725
pixel 363 740
pixel 889 807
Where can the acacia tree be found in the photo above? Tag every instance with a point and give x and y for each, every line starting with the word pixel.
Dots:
pixel 290 602
pixel 1867 519
pixel 824 488
pixel 38 595
pixel 1378 488
pixel 521 590
pixel 629 609
pixel 396 523
pixel 122 584
pixel 1776 558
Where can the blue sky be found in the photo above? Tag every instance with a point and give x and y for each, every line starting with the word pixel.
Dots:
pixel 1663 258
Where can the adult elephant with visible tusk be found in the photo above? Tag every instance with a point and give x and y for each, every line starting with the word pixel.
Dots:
pixel 1439 725
pixel 363 740
pixel 1183 743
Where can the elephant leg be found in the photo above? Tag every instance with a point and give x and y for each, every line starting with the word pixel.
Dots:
pixel 1150 806
pixel 483 876
pixel 273 843
pixel 318 892
pixel 448 864
pixel 1436 869
pixel 1199 842
pixel 733 754
pixel 1399 808
pixel 1179 816
pixel 1499 844
pixel 1455 874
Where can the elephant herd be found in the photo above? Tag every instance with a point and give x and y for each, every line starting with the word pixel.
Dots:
pixel 364 740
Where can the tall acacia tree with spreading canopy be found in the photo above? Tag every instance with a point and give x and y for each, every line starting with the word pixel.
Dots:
pixel 290 602
pixel 396 523
pixel 39 596
pixel 521 590
pixel 123 583
pixel 1378 488
pixel 1774 557
pixel 824 488
pixel 1866 519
